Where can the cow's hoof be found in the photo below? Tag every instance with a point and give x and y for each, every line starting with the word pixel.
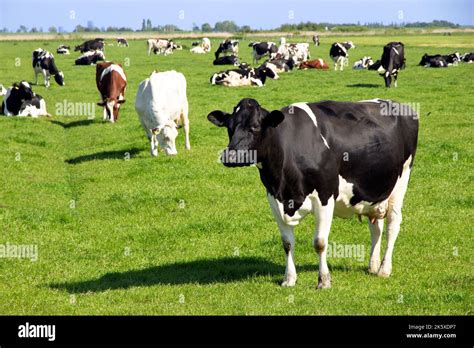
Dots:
pixel 154 153
pixel 374 267
pixel 324 281
pixel 289 282
pixel 384 271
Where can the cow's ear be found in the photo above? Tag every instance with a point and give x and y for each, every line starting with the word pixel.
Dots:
pixel 219 118
pixel 102 103
pixel 273 119
pixel 121 101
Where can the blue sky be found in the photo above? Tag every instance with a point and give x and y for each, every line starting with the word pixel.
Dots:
pixel 256 13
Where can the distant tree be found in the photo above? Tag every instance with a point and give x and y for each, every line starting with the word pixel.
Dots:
pixel 226 26
pixel 206 28
pixel 245 29
pixel 4 30
pixel 195 27
pixel 52 29
pixel 148 25
pixel 143 24
pixel 22 29
pixel 33 30
pixel 79 29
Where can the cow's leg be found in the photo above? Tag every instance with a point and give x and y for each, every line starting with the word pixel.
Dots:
pixel 154 145
pixel 36 77
pixel 105 114
pixel 394 219
pixel 376 236
pixel 185 120
pixel 324 215
pixel 395 80
pixel 46 78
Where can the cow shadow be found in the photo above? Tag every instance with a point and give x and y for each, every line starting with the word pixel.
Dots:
pixel 73 124
pixel 364 85
pixel 202 272
pixel 104 155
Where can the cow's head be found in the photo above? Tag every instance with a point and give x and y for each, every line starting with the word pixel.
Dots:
pixel 112 107
pixel 246 128
pixel 59 78
pixel 424 59
pixel 350 44
pixel 166 136
pixel 78 48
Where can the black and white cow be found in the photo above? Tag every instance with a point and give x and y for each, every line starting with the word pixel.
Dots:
pixel 63 49
pixel 43 62
pixel 244 76
pixel 227 60
pixel 328 158
pixel 122 42
pixel 90 45
pixel 262 49
pixel 90 57
pixel 228 47
pixel 339 53
pixel 392 61
pixel 20 100
pixel 467 57
pixel 439 60
pixel 281 65
pixel 363 63
pixel 316 40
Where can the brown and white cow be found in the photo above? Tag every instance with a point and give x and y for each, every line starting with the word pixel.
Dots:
pixel 314 64
pixel 111 83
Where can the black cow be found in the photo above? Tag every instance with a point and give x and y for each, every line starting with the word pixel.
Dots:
pixel 90 45
pixel 339 53
pixel 122 42
pixel 440 60
pixel 228 46
pixel 20 100
pixel 227 60
pixel 392 61
pixel 281 64
pixel 262 49
pixel 43 62
pixel 327 158
pixel 467 57
pixel 90 57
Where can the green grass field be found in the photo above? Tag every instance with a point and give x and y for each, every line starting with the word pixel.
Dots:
pixel 120 232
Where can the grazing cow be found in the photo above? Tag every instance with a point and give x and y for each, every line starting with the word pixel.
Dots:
pixel 63 49
pixel 227 60
pixel 327 158
pixel 161 104
pixel 90 57
pixel 363 63
pixel 393 60
pixel 339 53
pixel 244 77
pixel 122 42
pixel 262 49
pixel 111 83
pixel 228 47
pixel 314 64
pixel 467 57
pixel 20 100
pixel 90 45
pixel 159 46
pixel 316 40
pixel 43 62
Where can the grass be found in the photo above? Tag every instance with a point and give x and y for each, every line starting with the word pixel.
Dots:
pixel 119 232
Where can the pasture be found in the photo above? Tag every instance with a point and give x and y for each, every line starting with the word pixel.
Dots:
pixel 120 233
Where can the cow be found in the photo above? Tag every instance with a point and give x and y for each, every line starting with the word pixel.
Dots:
pixel 161 104
pixel 160 46
pixel 436 61
pixel 228 47
pixel 375 66
pixel 3 90
pixel 227 60
pixel 43 62
pixel 262 49
pixel 90 57
pixel 298 52
pixel 339 53
pixel 20 100
pixel 63 49
pixel 206 45
pixel 467 57
pixel 316 40
pixel 280 64
pixel 197 50
pixel 111 83
pixel 91 45
pixel 363 63
pixel 392 61
pixel 328 158
pixel 122 42
pixel 244 77
pixel 314 64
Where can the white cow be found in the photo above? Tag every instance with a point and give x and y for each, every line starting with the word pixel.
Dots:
pixel 197 50
pixel 160 46
pixel 298 52
pixel 206 45
pixel 161 103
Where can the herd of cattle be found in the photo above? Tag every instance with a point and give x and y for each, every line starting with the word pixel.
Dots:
pixel 300 150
